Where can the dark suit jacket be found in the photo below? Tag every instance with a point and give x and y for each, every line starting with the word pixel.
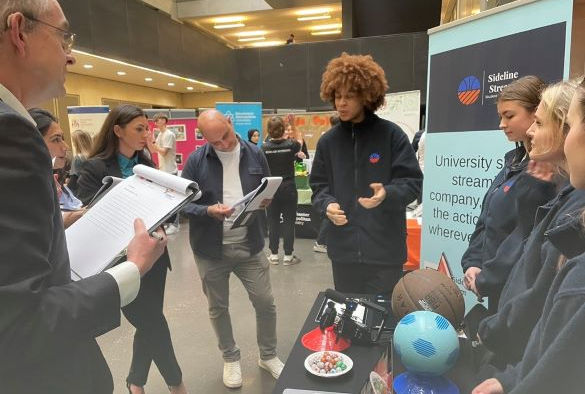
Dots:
pixel 47 323
pixel 90 181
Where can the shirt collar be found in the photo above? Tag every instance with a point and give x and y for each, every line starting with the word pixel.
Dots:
pixel 8 98
pixel 125 162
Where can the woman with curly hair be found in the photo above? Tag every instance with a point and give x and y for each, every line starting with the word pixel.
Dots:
pixel 366 239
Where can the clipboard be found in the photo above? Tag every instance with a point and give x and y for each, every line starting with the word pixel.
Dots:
pixel 252 201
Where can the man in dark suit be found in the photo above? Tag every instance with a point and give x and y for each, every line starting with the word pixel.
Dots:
pixel 47 323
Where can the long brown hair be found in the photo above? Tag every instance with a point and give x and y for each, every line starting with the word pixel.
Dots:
pixel 107 143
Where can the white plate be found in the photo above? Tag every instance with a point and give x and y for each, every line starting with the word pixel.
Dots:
pixel 317 355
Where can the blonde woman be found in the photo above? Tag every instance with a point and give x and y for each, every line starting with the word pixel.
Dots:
pixel 81 142
pixel 507 332
pixel 554 357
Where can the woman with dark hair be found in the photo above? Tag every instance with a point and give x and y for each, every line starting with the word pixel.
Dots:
pixel 118 147
pixel 281 153
pixel 53 135
pixel 253 136
pixel 496 243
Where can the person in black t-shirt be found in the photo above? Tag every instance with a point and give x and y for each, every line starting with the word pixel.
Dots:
pixel 281 154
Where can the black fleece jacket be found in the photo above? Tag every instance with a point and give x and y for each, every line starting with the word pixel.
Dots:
pixel 554 357
pixel 507 332
pixel 350 157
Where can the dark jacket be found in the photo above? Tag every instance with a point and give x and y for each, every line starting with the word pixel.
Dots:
pixel 348 159
pixel 90 181
pixel 205 168
pixel 281 155
pixel 528 194
pixel 506 333
pixel 47 322
pixel 498 216
pixel 554 357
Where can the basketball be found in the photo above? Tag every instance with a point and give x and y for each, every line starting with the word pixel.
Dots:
pixel 428 290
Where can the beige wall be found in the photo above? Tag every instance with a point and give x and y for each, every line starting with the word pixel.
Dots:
pixel 91 90
pixel 206 100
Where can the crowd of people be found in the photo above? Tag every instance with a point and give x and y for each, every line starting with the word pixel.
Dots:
pixel 526 255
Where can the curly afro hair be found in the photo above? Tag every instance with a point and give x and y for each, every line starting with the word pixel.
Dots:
pixel 360 74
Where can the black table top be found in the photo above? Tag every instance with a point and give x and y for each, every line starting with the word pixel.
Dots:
pixel 295 376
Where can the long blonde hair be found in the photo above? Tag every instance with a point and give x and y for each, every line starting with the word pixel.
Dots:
pixel 555 101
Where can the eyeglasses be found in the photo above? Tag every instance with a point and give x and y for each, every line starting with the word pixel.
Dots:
pixel 68 37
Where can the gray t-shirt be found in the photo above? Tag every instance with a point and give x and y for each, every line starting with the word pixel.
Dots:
pixel 167 163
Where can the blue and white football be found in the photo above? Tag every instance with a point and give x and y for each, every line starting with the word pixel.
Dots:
pixel 426 343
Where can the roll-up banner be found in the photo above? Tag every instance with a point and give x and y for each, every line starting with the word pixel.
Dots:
pixel 87 118
pixel 470 62
pixel 244 116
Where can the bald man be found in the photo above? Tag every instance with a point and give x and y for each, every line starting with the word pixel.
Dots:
pixel 226 169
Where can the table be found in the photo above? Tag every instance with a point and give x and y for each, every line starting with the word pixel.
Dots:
pixel 295 376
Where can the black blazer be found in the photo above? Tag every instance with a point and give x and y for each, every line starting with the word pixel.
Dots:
pixel 90 181
pixel 47 323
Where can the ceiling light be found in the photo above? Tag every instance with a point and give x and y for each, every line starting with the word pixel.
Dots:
pixel 150 70
pixel 121 73
pixel 313 18
pixel 171 84
pixel 325 32
pixel 148 79
pixel 229 19
pixel 208 84
pixel 228 26
pixel 87 66
pixel 267 43
pixel 327 27
pixel 251 33
pixel 313 11
pixel 189 87
pixel 251 39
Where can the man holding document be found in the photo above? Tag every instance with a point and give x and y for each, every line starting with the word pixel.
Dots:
pixel 47 323
pixel 226 169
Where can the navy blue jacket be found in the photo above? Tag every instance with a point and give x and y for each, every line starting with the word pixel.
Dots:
pixel 554 357
pixel 529 193
pixel 348 159
pixel 205 168
pixel 506 333
pixel 498 216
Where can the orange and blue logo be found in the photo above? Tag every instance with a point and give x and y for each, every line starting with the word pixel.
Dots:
pixel 374 158
pixel 469 90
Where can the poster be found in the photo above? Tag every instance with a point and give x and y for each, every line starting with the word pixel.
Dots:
pixel 312 125
pixel 185 131
pixel 402 108
pixel 469 64
pixel 244 116
pixel 87 118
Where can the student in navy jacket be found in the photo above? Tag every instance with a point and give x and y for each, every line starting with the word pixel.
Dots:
pixel 506 333
pixel 485 275
pixel 366 239
pixel 555 354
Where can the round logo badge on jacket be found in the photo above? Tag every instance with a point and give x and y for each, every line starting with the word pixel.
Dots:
pixel 374 158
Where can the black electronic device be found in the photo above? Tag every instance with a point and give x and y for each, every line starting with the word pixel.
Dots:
pixel 344 325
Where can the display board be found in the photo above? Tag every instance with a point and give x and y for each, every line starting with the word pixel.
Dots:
pixel 244 116
pixel 87 118
pixel 312 125
pixel 188 137
pixel 469 64
pixel 402 108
